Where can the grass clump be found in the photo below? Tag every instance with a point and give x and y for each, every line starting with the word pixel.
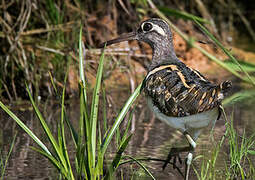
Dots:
pixel 89 140
pixel 238 163
pixel 240 149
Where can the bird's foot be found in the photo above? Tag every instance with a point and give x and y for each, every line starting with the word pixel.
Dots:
pixel 175 155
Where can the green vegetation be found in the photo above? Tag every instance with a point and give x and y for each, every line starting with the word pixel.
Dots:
pixel 90 142
pixel 191 41
pixel 45 40
pixel 39 38
pixel 4 159
pixel 240 159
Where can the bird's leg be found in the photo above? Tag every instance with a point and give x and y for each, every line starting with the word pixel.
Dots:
pixel 190 155
pixel 174 153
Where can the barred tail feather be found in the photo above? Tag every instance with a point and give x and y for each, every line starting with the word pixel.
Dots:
pixel 225 86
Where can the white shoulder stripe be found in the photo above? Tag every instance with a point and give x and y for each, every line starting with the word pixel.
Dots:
pixel 157 69
pixel 173 68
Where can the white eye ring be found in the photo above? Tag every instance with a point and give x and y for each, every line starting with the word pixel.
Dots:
pixel 154 27
pixel 147 27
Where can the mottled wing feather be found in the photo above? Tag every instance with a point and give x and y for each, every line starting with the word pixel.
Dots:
pixel 181 91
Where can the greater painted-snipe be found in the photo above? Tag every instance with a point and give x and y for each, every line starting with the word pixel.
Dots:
pixel 178 95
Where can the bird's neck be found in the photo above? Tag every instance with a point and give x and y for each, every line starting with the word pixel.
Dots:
pixel 163 53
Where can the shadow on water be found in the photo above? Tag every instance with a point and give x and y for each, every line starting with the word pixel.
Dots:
pixel 152 138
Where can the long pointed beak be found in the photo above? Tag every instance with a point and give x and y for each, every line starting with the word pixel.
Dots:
pixel 124 37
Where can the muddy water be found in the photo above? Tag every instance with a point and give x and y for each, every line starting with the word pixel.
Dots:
pixel 152 138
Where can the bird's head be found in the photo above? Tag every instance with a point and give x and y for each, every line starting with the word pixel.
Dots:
pixel 155 32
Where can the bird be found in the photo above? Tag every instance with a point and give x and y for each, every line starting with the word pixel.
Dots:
pixel 178 95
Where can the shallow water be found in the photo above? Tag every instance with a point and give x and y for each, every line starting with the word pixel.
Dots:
pixel 152 138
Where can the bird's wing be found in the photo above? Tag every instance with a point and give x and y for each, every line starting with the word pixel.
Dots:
pixel 181 91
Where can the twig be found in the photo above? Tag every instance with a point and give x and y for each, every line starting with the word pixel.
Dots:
pixel 23 18
pixel 120 54
pixel 12 82
pixel 5 24
pixel 88 33
pixel 5 6
pixel 7 91
pixel 73 8
pixel 124 7
pixel 50 50
pixel 62 27
pixel 201 7
pixel 244 19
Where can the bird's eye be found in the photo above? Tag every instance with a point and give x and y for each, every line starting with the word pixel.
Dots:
pixel 147 27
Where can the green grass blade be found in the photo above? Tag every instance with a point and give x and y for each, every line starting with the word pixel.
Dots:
pixel 81 70
pixel 3 166
pixel 25 128
pixel 85 125
pixel 142 166
pixel 84 118
pixel 219 62
pixel 251 152
pixel 181 14
pixel 82 75
pixel 189 40
pixel 81 121
pixel 119 119
pixel 69 124
pixel 124 136
pixel 47 131
pixel 94 106
pixel 83 85
pixel 104 110
pixel 53 84
pixel 117 137
pixel 62 127
pixel 72 130
pixel 80 148
pixel 247 66
pixel 224 50
pixel 81 57
pixel 100 163
pixel 118 156
pixel 239 97
pixel 52 159
pixel 60 138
